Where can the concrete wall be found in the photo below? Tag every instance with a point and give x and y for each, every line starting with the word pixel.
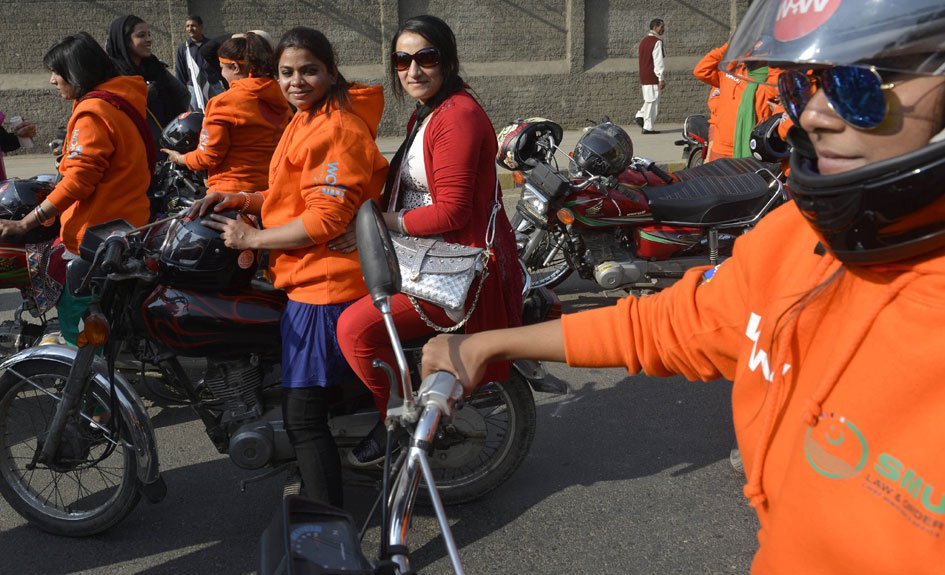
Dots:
pixel 568 60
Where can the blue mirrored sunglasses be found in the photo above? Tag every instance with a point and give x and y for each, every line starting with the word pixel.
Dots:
pixel 854 93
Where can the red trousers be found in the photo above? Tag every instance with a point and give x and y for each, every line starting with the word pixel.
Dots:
pixel 363 337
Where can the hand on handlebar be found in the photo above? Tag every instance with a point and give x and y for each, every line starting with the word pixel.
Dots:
pixel 459 355
pixel 216 202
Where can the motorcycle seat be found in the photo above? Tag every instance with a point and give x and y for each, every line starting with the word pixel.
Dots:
pixel 726 167
pixel 710 200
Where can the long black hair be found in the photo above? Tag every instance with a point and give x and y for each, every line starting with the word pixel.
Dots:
pixel 440 35
pixel 318 45
pixel 81 61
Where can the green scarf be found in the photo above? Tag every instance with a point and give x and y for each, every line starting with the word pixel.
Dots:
pixel 746 119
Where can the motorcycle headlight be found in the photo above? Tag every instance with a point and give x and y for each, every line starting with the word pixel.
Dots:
pixel 533 205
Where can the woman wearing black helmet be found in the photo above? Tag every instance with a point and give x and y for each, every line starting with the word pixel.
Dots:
pixel 828 315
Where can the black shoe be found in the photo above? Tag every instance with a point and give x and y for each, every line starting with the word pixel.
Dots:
pixel 651 131
pixel 370 451
pixel 639 121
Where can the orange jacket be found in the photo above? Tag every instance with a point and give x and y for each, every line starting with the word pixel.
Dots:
pixel 838 404
pixel 241 129
pixel 731 85
pixel 105 167
pixel 324 168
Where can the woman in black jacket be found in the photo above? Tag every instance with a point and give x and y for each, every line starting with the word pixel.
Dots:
pixel 129 46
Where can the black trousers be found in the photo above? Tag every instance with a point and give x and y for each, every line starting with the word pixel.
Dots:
pixel 305 412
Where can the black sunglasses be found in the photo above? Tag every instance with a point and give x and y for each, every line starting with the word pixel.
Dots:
pixel 854 93
pixel 425 58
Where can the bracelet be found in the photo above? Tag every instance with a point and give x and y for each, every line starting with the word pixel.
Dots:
pixel 246 202
pixel 42 217
pixel 400 222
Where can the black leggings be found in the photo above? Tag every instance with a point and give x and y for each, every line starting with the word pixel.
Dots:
pixel 305 412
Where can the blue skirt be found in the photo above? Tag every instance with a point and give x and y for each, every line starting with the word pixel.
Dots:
pixel 310 353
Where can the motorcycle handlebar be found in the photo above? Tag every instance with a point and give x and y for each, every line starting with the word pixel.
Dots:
pixel 114 248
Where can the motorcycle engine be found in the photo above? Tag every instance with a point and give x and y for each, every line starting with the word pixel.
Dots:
pixel 238 385
pixel 613 263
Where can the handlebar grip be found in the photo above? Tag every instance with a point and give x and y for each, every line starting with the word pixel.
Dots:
pixel 660 173
pixel 111 261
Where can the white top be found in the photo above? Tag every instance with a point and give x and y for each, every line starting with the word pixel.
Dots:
pixel 414 188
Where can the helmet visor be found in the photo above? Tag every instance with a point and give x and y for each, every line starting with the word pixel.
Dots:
pixel 907 37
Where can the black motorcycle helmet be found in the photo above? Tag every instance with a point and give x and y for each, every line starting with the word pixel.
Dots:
pixel 18 198
pixel 518 141
pixel 194 257
pixel 182 134
pixel 604 150
pixel 765 143
pixel 853 212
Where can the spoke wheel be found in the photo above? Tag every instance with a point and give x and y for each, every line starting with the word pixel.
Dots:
pixel 92 483
pixel 546 272
pixel 486 442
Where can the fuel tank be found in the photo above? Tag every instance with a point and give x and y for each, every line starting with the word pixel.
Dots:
pixel 598 206
pixel 201 324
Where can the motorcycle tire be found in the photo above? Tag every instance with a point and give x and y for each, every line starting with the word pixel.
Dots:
pixel 536 252
pixel 487 441
pixel 94 483
pixel 695 158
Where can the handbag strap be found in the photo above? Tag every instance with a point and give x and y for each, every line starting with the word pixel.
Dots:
pixel 123 105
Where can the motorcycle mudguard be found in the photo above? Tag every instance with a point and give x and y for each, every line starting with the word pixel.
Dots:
pixel 139 424
pixel 538 377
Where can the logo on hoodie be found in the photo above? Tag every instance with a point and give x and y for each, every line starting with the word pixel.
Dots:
pixel 330 177
pixel 837 449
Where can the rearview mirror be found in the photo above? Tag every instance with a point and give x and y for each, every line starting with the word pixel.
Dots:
pixel 376 253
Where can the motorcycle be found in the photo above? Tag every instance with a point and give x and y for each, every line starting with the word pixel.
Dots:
pixel 78 449
pixel 695 140
pixel 620 220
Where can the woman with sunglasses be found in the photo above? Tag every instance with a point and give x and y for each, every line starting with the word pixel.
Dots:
pixel 828 316
pixel 325 166
pixel 442 182
pixel 243 124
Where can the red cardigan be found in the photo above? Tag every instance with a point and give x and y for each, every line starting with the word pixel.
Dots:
pixel 459 150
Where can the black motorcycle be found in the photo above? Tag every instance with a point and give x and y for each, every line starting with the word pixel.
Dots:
pixel 78 449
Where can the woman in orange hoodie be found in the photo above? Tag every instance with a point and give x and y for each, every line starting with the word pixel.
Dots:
pixel 828 315
pixel 243 124
pixel 325 166
pixel 108 157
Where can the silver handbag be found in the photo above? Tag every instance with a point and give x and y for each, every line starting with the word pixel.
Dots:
pixel 439 272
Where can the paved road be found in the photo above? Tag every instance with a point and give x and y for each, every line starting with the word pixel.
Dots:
pixel 626 475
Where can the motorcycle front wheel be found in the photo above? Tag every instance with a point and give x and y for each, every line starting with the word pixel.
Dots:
pixel 92 484
pixel 545 259
pixel 488 439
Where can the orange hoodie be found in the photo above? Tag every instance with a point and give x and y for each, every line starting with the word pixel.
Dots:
pixel 324 168
pixel 105 168
pixel 723 116
pixel 838 404
pixel 241 129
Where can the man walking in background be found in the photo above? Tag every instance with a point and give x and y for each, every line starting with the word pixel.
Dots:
pixel 652 67
pixel 203 79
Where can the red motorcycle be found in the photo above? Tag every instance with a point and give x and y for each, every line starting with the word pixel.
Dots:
pixel 621 220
